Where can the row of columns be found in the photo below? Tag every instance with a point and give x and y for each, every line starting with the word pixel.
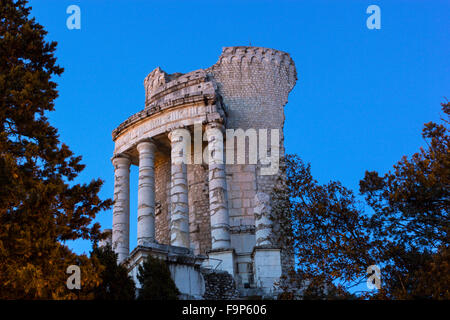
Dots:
pixel 179 219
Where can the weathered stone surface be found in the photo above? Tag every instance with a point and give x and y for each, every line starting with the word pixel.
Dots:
pixel 162 194
pixel 199 217
pixel 197 201
pixel 218 203
pixel 267 264
pixel 263 221
pixel 219 285
pixel 179 213
pixel 121 210
pixel 146 193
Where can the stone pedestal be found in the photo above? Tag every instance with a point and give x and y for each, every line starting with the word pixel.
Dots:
pixel 263 222
pixel 230 204
pixel 223 260
pixel 184 267
pixel 267 268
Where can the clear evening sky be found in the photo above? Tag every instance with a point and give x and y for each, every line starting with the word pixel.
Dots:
pixel 360 102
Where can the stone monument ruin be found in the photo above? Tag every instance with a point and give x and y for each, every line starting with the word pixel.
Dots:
pixel 207 215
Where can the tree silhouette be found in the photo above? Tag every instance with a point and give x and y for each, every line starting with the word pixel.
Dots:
pixel 156 282
pixel 116 283
pixel 335 240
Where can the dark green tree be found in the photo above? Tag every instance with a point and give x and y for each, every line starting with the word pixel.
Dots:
pixel 116 284
pixel 156 281
pixel 40 206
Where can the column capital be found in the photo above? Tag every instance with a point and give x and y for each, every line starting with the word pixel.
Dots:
pixel 174 133
pixel 121 160
pixel 215 125
pixel 146 144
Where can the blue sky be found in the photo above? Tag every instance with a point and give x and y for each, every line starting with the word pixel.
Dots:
pixel 360 102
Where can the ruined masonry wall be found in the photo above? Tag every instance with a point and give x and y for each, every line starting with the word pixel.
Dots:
pixel 162 198
pixel 254 84
pixel 199 219
pixel 219 285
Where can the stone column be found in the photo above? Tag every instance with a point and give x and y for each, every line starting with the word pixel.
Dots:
pixel 121 209
pixel 218 202
pixel 263 223
pixel 146 193
pixel 179 214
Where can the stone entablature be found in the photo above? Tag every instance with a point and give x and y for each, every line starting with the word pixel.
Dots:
pixel 192 89
pixel 218 212
pixel 148 126
pixel 168 88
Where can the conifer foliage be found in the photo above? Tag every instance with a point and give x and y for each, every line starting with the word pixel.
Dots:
pixel 156 282
pixel 116 283
pixel 40 205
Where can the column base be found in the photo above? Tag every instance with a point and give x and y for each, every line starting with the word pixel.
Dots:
pixel 146 243
pixel 267 269
pixel 222 259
